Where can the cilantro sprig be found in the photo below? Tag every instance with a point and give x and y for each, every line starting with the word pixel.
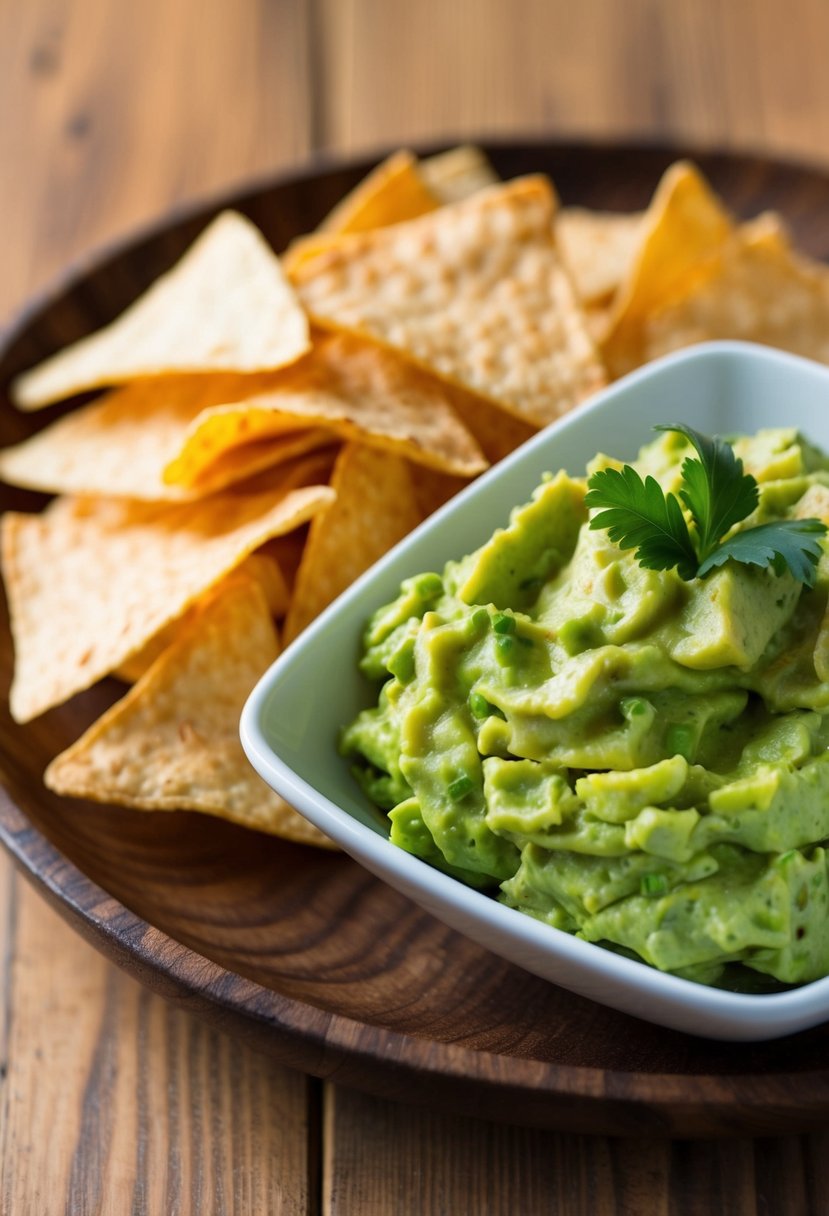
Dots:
pixel 717 495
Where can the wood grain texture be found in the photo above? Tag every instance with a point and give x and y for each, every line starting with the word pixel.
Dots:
pixel 426 1161
pixel 746 75
pixel 110 1100
pixel 111 113
pixel 312 958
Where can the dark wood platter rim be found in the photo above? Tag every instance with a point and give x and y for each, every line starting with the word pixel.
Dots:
pixel 698 1100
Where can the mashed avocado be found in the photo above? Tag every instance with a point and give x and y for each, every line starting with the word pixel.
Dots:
pixel 633 758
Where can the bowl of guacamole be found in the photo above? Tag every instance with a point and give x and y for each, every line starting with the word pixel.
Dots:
pixel 593 732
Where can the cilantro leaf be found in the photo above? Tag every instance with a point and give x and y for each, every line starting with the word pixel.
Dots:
pixel 718 495
pixel 717 492
pixel 639 515
pixel 792 544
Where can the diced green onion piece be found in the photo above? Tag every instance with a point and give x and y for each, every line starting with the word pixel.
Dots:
pixel 653 884
pixel 503 624
pixel 634 707
pixel 504 645
pixel 479 705
pixel 680 741
pixel 460 787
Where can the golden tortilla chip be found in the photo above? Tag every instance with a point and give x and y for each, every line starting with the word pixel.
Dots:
pixel 392 193
pixel 458 173
pixel 352 387
pixel 684 225
pixel 374 508
pixel 226 306
pixel 174 438
pixel 263 569
pixel 172 743
pixel 756 289
pixel 474 292
pixel 90 581
pixel 598 248
pixel 120 445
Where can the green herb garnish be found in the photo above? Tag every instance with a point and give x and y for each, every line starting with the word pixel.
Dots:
pixel 717 494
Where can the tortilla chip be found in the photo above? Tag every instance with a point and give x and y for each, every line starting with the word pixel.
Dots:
pixel 264 570
pixel 433 489
pixel 684 225
pixel 90 581
pixel 375 507
pixel 172 743
pixel 121 444
pixel 393 192
pixel 351 386
pixel 598 248
pixel 474 292
pixel 458 173
pixel 756 289
pixel 226 306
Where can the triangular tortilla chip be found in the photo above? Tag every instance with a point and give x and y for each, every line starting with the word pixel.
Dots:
pixel 375 507
pixel 475 292
pixel 598 248
pixel 350 386
pixel 259 567
pixel 181 437
pixel 756 289
pixel 458 173
pixel 90 581
pixel 225 306
pixel 392 193
pixel 172 743
pixel 684 225
pixel 120 445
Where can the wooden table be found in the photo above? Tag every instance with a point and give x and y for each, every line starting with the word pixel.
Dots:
pixel 111 1101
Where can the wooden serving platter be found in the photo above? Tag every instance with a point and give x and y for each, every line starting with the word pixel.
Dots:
pixel 303 953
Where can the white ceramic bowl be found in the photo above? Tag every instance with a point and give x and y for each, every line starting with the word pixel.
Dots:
pixel 291 722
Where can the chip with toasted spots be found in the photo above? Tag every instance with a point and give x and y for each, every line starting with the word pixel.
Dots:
pixel 121 444
pixel 91 580
pixel 265 569
pixel 598 248
pixel 475 292
pixel 172 743
pixel 756 289
pixel 226 306
pixel 349 386
pixel 374 508
pixel 684 225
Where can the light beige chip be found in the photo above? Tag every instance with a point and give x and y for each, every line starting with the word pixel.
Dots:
pixel 121 444
pixel 349 386
pixel 225 306
pixel 756 289
pixel 684 225
pixel 181 437
pixel 374 508
pixel 598 248
pixel 263 569
pixel 475 292
pixel 90 581
pixel 458 173
pixel 172 743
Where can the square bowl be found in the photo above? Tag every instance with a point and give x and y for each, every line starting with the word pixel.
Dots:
pixel 291 722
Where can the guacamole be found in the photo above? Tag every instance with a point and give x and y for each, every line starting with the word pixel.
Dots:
pixel 633 758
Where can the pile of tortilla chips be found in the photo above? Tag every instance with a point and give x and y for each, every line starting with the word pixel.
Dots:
pixel 270 426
